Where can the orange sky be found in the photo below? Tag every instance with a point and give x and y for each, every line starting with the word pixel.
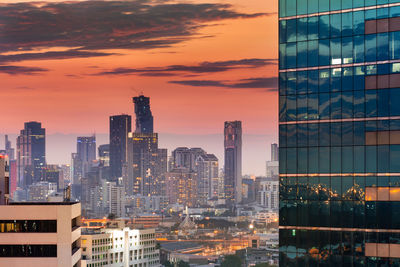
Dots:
pixel 70 98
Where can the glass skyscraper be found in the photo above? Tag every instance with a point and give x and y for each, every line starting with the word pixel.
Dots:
pixel 339 130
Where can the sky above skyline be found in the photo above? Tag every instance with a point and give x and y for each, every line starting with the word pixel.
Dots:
pixel 72 64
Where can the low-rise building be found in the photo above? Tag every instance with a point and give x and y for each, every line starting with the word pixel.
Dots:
pixel 40 234
pixel 118 245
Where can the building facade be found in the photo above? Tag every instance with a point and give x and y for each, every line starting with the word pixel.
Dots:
pixel 144 117
pixel 120 246
pixel 86 152
pixel 31 153
pixel 207 177
pixel 120 126
pixel 40 234
pixel 233 161
pixel 4 180
pixel 339 132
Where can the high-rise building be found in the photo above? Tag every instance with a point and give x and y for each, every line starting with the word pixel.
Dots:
pixel 181 187
pixel 9 149
pixel 31 153
pixel 76 169
pixel 183 157
pixel 146 165
pixel 339 133
pixel 120 126
pixel 104 155
pixel 40 234
pixel 233 161
pixel 274 152
pixel 4 180
pixel 144 117
pixel 207 177
pixel 86 152
pixel 268 194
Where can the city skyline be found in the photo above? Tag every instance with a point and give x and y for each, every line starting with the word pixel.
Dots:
pixel 192 77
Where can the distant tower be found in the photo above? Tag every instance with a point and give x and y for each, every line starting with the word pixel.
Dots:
pixel 233 161
pixel 9 149
pixel 86 152
pixel 144 118
pixel 31 153
pixel 4 180
pixel 274 152
pixel 120 126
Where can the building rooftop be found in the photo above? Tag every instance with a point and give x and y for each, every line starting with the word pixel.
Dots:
pixel 42 203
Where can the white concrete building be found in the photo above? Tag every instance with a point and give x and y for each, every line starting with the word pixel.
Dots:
pixel 120 247
pixel 272 169
pixel 40 234
pixel 268 195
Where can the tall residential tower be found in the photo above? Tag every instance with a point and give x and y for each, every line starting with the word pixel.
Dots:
pixel 233 161
pixel 144 117
pixel 120 126
pixel 339 131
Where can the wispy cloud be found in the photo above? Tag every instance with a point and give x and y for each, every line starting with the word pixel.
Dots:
pixel 269 83
pixel 21 70
pixel 204 67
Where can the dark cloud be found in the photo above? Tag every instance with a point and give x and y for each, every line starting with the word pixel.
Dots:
pixel 21 70
pixel 205 67
pixel 50 55
pixel 270 83
pixel 88 26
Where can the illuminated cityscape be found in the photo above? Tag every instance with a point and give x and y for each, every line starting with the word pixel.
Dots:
pixel 144 133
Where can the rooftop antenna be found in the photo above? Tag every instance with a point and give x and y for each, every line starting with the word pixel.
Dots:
pixel 137 91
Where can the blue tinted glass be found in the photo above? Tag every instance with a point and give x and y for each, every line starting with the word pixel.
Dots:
pixel 359 133
pixel 291 81
pixel 291 30
pixel 291 51
pixel 324 107
pixel 291 135
pixel 359 159
pixel 291 108
pixel 347 50
pixel 336 24
pixel 336 51
pixel 302 138
pixel 347 133
pixel 370 103
pixel 313 134
pixel 291 7
pixel 394 11
pixel 313 107
pixel 282 56
pixel 282 136
pixel 336 5
pixel 382 13
pixel 302 154
pixel 312 28
pixel 347 79
pixel 358 3
pixel 383 46
pixel 394 46
pixel 302 107
pixel 324 160
pixel 336 134
pixel 336 161
pixel 359 49
pixel 370 47
pixel 347 105
pixel 301 82
pixel 302 29
pixel 312 53
pixel 358 22
pixel 324 80
pixel 346 4
pixel 301 7
pixel 323 27
pixel 313 81
pixel 282 108
pixel 282 83
pixel 282 8
pixel 382 103
pixel 282 31
pixel 359 106
pixel 394 101
pixel 336 106
pixel 302 54
pixel 312 6
pixel 324 134
pixel 313 159
pixel 383 158
pixel 323 5
pixel 291 157
pixel 336 80
pixel 371 160
pixel 394 158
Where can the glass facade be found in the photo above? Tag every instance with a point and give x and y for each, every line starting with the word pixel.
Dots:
pixel 339 132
